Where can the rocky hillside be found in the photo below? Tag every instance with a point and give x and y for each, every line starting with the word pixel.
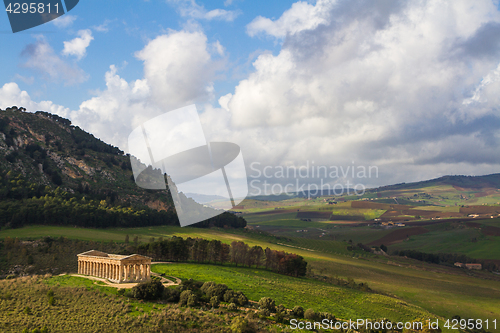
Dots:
pixel 45 161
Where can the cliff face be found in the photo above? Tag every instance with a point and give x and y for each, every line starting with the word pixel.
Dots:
pixel 48 150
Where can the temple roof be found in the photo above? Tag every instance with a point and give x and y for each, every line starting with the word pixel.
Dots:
pixel 95 253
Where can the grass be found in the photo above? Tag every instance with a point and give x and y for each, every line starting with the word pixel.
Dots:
pixel 439 290
pixel 81 306
pixel 257 283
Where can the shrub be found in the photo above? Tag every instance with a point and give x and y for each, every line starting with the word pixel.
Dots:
pixel 240 325
pixel 242 299
pixel 232 307
pixel 204 288
pixel 263 313
pixel 281 309
pixel 298 312
pixel 185 296
pixel 267 303
pixel 214 302
pixel 279 317
pixel 148 290
pixel 171 294
pixel 192 300
pixel 230 296
pixel 52 301
pixel 27 310
pixel 310 315
pixel 217 290
pixel 326 315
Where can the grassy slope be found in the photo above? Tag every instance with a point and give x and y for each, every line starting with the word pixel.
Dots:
pixel 345 303
pixel 443 293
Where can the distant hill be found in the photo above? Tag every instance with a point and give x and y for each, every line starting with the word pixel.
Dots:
pixel 466 182
pixel 52 172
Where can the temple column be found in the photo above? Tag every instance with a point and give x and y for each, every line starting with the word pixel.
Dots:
pixel 107 271
pixel 148 271
pixel 91 268
pixel 99 269
pixel 120 273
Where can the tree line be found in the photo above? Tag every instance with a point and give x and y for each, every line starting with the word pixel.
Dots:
pixel 445 258
pixel 214 251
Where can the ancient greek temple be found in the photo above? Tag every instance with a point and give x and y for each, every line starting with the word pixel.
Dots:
pixel 114 267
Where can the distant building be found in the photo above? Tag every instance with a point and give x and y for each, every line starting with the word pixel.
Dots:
pixel 469 266
pixel 474 266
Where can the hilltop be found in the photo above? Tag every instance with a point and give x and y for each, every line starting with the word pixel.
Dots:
pixel 52 172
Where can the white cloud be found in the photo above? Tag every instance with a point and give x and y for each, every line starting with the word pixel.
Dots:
pixel 11 94
pixel 178 68
pixel 301 16
pixel 104 27
pixel 41 57
pixel 117 110
pixel 78 46
pixel 189 8
pixel 64 21
pixel 378 84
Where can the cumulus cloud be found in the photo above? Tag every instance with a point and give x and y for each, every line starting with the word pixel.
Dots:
pixel 178 68
pixel 301 16
pixel 11 94
pixel 393 84
pixel 40 56
pixel 189 8
pixel 114 112
pixel 64 21
pixel 78 46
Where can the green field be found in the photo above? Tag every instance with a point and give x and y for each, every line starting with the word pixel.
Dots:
pixel 437 289
pixel 256 283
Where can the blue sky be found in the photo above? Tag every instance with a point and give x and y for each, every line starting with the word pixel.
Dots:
pixel 411 87
pixel 121 28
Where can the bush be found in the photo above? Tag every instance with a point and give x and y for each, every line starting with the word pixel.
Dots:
pixel 187 296
pixel 204 288
pixel 298 312
pixel 214 302
pixel 281 309
pixel 148 290
pixel 232 307
pixel 27 310
pixel 192 300
pixel 326 315
pixel 310 315
pixel 171 295
pixel 242 299
pixel 217 290
pixel 268 304
pixel 240 325
pixel 52 301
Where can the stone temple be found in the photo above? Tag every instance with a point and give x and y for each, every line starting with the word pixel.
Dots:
pixel 114 267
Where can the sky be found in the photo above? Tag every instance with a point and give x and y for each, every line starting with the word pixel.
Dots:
pixel 408 88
